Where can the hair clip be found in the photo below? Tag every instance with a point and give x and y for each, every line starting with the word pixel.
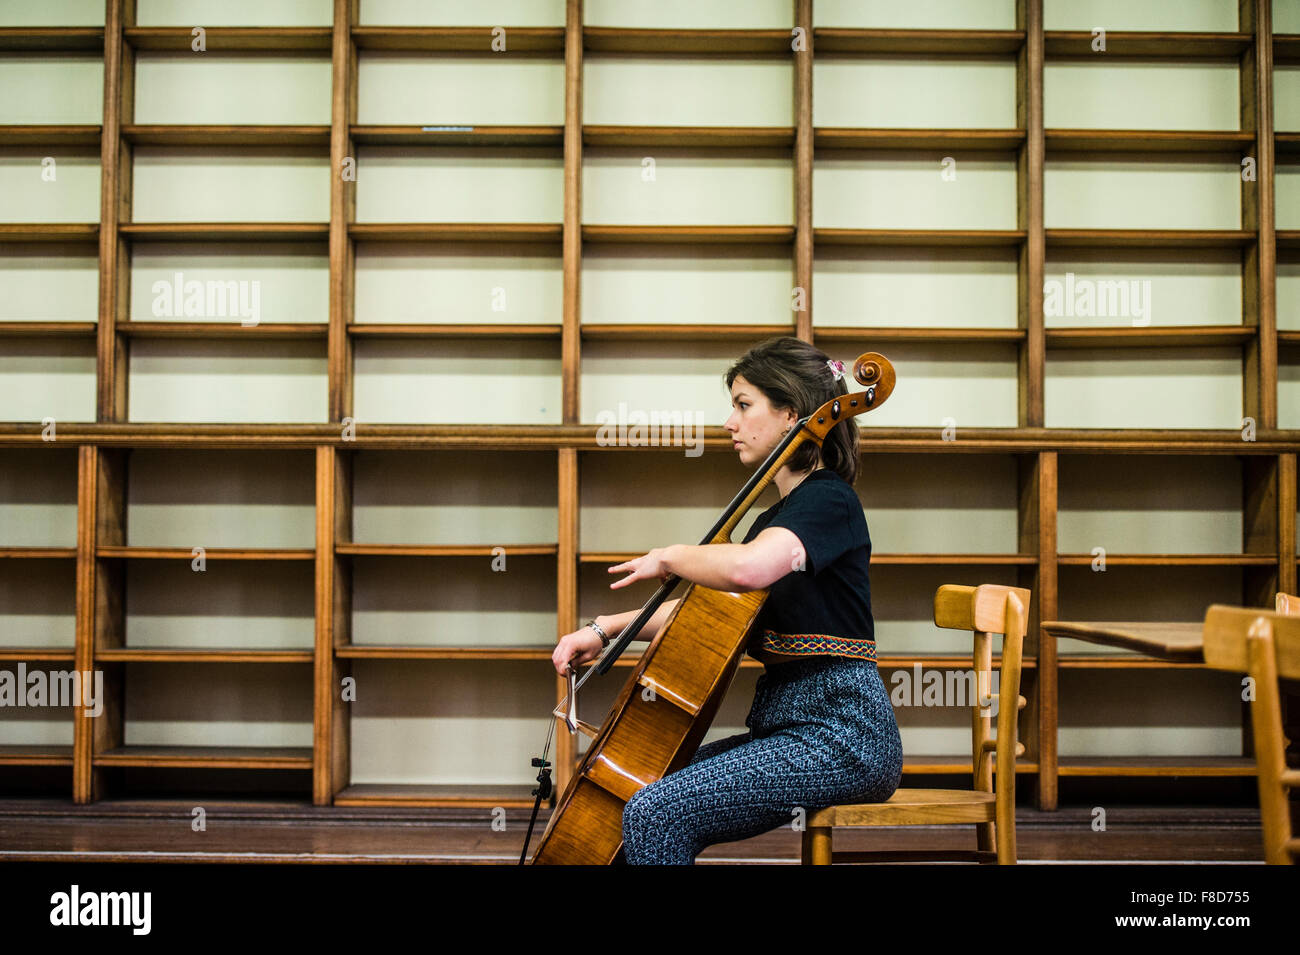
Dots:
pixel 836 367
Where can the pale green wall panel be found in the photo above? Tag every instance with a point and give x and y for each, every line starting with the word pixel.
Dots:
pixel 893 92
pixel 892 190
pixel 1083 94
pixel 227 704
pixel 677 501
pixel 49 283
pixel 438 90
pixel 470 722
pixel 1286 185
pixel 56 88
pixel 940 288
pixel 28 194
pixel 966 386
pixel 690 14
pixel 453 601
pixel 1286 97
pixel 1096 288
pixel 228 185
pixel 1149 713
pixel 658 376
pixel 182 498
pixel 258 380
pixel 1123 504
pixel 232 88
pixel 466 498
pixel 663 285
pixel 243 13
pixel 47 377
pixel 52 13
pixel 1143 388
pixel 457 13
pixel 38 498
pixel 1286 16
pixel 916 14
pixel 230 604
pixel 1288 395
pixel 635 90
pixel 1288 296
pixel 902 606
pixel 279 283
pixel 471 381
pixel 455 282
pixel 666 186
pixel 1141 195
pixel 36 725
pixel 460 185
pixel 1209 16
pixel 38 602
pixel 938 504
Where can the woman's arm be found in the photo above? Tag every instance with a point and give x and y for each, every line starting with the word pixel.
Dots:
pixel 771 555
pixel 615 623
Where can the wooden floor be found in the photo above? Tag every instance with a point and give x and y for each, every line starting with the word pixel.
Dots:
pixel 157 831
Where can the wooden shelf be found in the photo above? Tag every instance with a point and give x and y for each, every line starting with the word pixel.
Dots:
pixel 159 135
pixel 51 39
pixel 49 135
pixel 1286 48
pixel 1287 147
pixel 444 550
pixel 732 137
pixel 243 39
pixel 204 330
pixel 195 655
pixel 37 654
pixel 1152 44
pixel 144 552
pixel 1288 239
pixel 457 39
pixel 356 652
pixel 940 42
pixel 49 329
pixel 1120 661
pixel 955 560
pixel 1150 238
pixel 924 238
pixel 1156 766
pixel 208 757
pixel 225 231
pixel 544 232
pixel 596 331
pixel 681 41
pixel 457 135
pixel 979 140
pixel 1172 560
pixel 1147 141
pixel 947 336
pixel 413 330
pixel 29 553
pixel 434 797
pixel 49 232
pixel 1146 336
pixel 953 766
pixel 35 755
pixel 691 234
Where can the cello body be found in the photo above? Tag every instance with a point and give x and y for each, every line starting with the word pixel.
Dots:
pixel 670 699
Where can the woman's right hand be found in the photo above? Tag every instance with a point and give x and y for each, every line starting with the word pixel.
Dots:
pixel 575 648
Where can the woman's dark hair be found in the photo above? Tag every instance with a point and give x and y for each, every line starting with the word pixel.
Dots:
pixel 793 375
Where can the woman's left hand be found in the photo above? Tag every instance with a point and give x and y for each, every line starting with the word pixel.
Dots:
pixel 651 565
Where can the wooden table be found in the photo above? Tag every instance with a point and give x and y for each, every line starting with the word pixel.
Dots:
pixel 1176 642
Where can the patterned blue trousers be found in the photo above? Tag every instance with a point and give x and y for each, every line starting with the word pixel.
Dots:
pixel 821 733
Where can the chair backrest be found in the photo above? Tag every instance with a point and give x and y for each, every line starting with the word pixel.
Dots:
pixel 1287 604
pixel 1264 645
pixel 986 610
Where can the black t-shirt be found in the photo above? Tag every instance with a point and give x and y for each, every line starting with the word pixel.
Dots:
pixel 831 596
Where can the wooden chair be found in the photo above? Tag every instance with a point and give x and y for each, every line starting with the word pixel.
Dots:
pixel 1288 604
pixel 984 610
pixel 1265 646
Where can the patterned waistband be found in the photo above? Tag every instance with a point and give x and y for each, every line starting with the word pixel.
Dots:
pixel 770 646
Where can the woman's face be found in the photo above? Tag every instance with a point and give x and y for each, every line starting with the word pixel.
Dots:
pixel 754 426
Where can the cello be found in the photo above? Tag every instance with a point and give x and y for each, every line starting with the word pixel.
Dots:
pixel 673 693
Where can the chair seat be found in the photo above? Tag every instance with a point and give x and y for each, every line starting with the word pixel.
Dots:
pixel 912 807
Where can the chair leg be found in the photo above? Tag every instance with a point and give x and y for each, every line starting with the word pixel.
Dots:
pixel 984 836
pixel 817 846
